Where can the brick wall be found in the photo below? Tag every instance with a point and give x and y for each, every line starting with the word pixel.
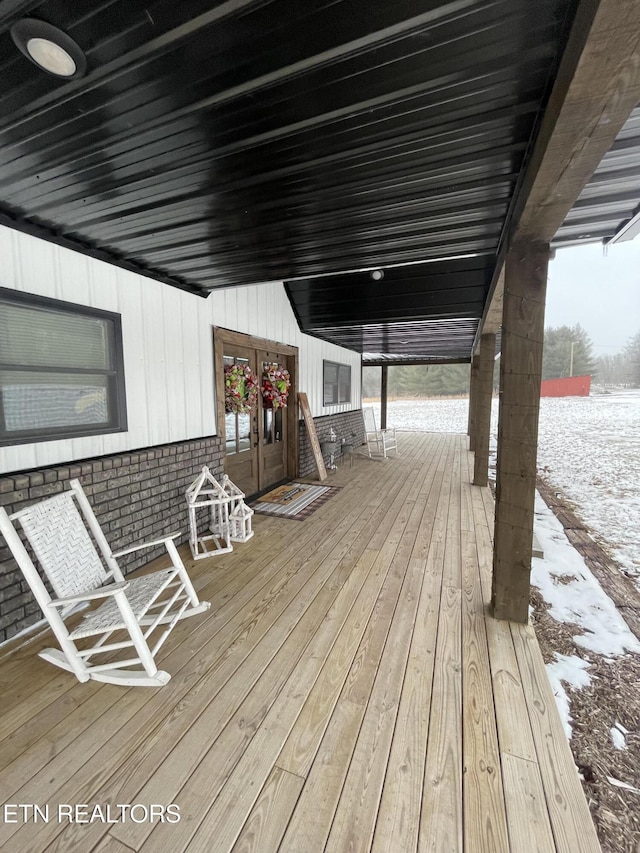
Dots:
pixel 136 497
pixel 349 425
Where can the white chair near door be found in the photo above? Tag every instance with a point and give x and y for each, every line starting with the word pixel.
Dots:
pixel 380 441
pixel 62 531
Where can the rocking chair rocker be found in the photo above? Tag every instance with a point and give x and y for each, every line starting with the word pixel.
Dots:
pixel 57 531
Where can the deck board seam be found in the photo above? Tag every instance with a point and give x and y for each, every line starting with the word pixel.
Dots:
pixel 439 461
pixel 391 559
pixel 433 464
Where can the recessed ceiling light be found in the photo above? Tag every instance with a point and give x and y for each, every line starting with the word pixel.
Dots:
pixel 377 275
pixel 51 57
pixel 49 48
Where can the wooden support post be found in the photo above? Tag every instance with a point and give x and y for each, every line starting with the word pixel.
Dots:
pixel 384 385
pixel 520 374
pixel 473 383
pixel 482 417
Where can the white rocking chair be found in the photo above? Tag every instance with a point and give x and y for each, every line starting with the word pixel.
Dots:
pixel 57 531
pixel 382 439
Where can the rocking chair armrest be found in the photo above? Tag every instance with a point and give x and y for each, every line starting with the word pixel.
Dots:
pixel 101 592
pixel 145 545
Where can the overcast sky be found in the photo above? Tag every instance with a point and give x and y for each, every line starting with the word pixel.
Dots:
pixel 600 292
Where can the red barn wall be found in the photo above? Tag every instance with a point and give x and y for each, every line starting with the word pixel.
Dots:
pixel 572 386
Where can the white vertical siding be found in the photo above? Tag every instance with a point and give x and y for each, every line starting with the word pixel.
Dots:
pixel 167 343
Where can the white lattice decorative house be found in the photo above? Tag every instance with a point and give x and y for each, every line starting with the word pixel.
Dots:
pixel 206 491
pixel 240 515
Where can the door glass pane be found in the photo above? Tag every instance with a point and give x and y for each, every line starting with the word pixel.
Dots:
pixel 244 432
pixel 267 425
pixel 278 425
pixel 237 426
pixel 230 431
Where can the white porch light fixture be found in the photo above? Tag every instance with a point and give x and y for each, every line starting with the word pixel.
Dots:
pixel 49 48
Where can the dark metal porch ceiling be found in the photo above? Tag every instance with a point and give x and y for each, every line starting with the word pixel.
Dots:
pixel 214 144
pixel 409 311
pixel 612 195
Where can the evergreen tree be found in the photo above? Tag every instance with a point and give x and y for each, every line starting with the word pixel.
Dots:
pixel 412 378
pixel 437 384
pixel 557 360
pixel 432 380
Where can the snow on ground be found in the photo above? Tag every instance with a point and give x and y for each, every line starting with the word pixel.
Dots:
pixel 588 447
pixel 576 598
pixel 573 593
pixel 426 415
pixel 567 669
pixel 618 736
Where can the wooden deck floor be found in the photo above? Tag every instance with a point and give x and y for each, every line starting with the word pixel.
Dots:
pixel 346 692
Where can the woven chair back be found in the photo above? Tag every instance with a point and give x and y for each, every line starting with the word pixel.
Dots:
pixel 369 420
pixel 60 540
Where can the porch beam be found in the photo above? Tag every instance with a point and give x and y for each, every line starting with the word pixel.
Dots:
pixel 492 314
pixel 484 393
pixel 473 394
pixel 520 375
pixel 418 360
pixel 596 88
pixel 384 386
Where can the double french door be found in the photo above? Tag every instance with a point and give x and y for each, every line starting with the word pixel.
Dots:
pixel 261 445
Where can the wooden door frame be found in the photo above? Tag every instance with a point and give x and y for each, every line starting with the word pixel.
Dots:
pixel 222 336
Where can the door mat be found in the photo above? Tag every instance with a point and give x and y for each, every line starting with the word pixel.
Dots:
pixel 294 500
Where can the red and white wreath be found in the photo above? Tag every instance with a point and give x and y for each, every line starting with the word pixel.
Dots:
pixel 240 389
pixel 276 384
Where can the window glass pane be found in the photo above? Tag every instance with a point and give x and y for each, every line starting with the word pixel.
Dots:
pixel 244 432
pixel 230 432
pixel 35 336
pixel 344 393
pixel 330 394
pixel 337 383
pixel 330 372
pixel 32 400
pixel 330 383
